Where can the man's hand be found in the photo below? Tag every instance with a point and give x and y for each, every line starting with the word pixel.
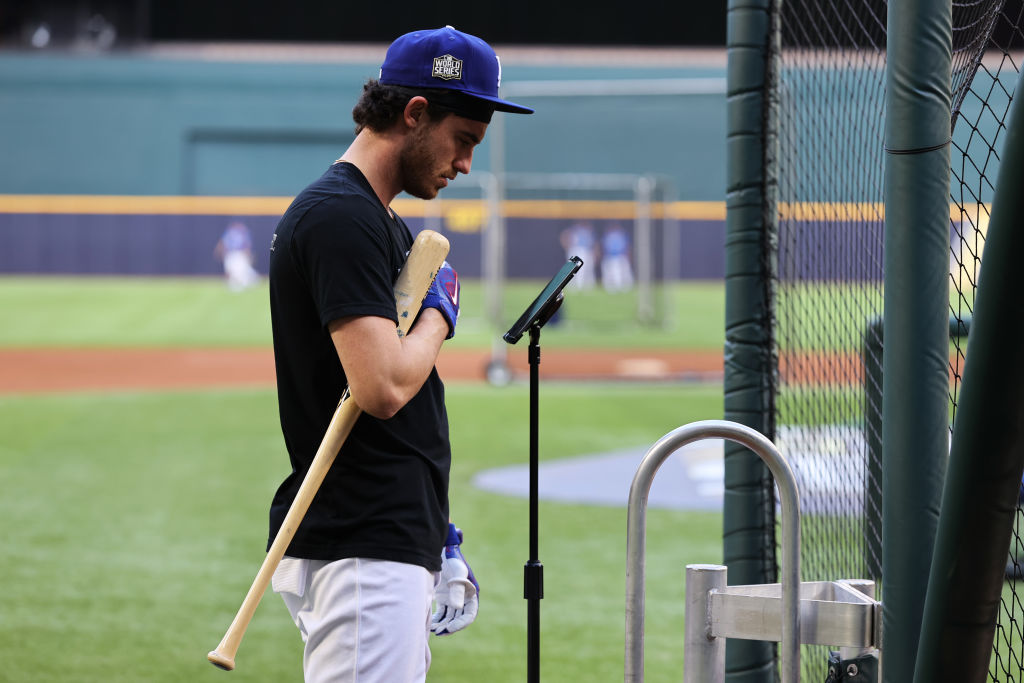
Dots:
pixel 458 594
pixel 443 295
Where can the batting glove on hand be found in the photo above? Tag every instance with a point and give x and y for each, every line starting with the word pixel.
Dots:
pixel 443 294
pixel 458 594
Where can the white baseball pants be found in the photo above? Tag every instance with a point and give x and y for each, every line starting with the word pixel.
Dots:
pixel 362 620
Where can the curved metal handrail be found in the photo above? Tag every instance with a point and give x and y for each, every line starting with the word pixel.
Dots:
pixel 636 537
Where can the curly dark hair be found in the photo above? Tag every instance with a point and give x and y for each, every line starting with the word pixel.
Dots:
pixel 380 106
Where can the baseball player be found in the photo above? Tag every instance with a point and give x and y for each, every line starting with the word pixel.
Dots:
pixel 578 240
pixel 359 578
pixel 235 249
pixel 616 268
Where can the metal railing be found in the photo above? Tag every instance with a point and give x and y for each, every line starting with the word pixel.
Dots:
pixel 840 613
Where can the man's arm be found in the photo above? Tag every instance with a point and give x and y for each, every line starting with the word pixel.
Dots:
pixel 384 370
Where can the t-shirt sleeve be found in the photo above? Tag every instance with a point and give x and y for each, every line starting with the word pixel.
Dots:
pixel 344 249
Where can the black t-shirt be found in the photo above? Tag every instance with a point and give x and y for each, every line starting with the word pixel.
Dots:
pixel 337 252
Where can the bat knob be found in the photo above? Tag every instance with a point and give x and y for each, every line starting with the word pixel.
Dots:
pixel 220 661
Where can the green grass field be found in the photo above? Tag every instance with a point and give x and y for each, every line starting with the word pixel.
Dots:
pixel 202 312
pixel 135 522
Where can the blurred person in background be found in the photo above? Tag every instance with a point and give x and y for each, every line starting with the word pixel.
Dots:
pixel 616 264
pixel 234 249
pixel 579 240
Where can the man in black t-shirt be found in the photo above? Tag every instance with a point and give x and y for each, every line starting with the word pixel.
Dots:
pixel 360 575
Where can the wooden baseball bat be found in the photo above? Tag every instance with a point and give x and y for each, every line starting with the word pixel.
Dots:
pixel 428 252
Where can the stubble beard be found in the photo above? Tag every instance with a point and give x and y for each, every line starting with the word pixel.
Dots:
pixel 416 166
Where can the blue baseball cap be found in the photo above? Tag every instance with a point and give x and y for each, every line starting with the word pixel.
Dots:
pixel 447 59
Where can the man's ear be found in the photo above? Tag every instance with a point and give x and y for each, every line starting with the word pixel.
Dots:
pixel 415 111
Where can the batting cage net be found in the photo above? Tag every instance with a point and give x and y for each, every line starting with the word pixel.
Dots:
pixel 828 280
pixel 513 232
pixel 621 225
pixel 988 54
pixel 828 111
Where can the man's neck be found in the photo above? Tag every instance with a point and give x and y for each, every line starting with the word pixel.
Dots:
pixel 376 155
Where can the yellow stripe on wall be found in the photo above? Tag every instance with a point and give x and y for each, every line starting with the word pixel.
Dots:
pixel 513 208
pixel 143 205
pixel 275 206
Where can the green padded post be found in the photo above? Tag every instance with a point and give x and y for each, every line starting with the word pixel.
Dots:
pixel 915 420
pixel 748 508
pixel 987 458
pixel 871 355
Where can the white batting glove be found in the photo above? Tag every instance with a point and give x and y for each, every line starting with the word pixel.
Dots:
pixel 457 597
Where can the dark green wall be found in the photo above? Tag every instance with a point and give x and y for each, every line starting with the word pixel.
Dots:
pixel 132 124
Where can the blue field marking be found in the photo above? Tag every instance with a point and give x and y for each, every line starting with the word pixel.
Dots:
pixel 690 479
pixel 827 462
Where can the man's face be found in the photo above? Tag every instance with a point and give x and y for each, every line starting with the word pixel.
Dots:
pixel 436 151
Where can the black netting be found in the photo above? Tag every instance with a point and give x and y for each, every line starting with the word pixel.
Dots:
pixel 986 69
pixel 830 122
pixel 828 164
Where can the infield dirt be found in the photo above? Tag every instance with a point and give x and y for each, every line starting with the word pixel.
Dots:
pixel 56 370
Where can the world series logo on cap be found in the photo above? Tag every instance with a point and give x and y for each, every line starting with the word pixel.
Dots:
pixel 447 67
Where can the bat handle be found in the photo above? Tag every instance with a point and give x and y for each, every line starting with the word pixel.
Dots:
pixel 221 661
pixel 338 430
pixel 224 655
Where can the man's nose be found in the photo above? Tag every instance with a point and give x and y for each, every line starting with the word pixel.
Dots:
pixel 464 163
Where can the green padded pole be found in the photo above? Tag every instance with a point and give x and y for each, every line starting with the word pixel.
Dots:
pixel 980 497
pixel 871 354
pixel 915 429
pixel 748 508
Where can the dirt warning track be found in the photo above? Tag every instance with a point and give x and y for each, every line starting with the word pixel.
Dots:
pixel 34 370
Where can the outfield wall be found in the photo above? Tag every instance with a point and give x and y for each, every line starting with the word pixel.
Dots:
pixel 266 120
pixel 145 133
pixel 98 241
pixel 177 123
pixel 177 236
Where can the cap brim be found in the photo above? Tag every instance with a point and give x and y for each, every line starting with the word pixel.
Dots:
pixel 502 105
